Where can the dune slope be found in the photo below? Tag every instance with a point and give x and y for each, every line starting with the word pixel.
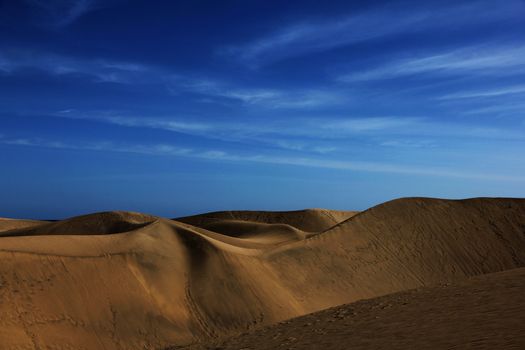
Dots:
pixel 91 224
pixel 484 312
pixel 131 281
pixel 14 224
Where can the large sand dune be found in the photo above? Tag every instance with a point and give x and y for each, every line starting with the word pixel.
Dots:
pixel 484 312
pixel 123 280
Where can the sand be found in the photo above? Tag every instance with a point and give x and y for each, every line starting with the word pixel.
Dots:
pixel 121 280
pixel 484 312
pixel 12 224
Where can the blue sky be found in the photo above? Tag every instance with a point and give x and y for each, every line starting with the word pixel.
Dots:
pixel 180 107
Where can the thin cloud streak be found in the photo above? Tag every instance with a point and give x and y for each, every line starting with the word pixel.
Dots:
pixel 160 149
pixel 316 36
pixel 511 109
pixel 61 13
pixel 13 62
pixel 486 93
pixel 268 98
pixel 218 155
pixel 311 128
pixel 495 60
pixel 259 133
pixel 99 70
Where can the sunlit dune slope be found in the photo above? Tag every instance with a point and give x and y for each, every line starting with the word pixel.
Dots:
pixel 13 224
pixel 484 312
pixel 91 224
pixel 126 280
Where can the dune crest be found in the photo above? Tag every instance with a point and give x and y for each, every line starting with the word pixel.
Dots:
pixel 127 280
pixel 14 224
pixel 309 220
pixel 91 224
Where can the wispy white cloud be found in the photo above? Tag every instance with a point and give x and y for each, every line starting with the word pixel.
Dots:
pixel 6 66
pixel 108 71
pixel 254 133
pixel 158 149
pixel 320 35
pixel 98 70
pixel 61 13
pixel 323 128
pixel 374 167
pixel 223 156
pixel 164 124
pixel 372 124
pixel 409 143
pixel 412 127
pixel 512 109
pixel 268 98
pixel 486 60
pixel 511 90
pixel 279 132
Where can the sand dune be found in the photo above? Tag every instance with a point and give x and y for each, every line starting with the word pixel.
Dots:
pixel 13 224
pixel 310 220
pixel 472 314
pixel 127 280
pixel 92 224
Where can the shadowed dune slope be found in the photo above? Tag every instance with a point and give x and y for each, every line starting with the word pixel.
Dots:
pixel 484 312
pixel 155 282
pixel 256 231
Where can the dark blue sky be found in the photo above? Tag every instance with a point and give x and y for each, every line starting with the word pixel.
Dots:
pixel 179 107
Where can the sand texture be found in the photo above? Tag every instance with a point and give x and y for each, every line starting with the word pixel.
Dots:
pixel 122 280
pixel 484 312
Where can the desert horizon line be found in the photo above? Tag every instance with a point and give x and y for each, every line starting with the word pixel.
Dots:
pixel 265 210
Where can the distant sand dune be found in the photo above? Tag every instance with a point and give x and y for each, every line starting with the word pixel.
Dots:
pixel 13 224
pixel 310 220
pixel 121 280
pixel 92 224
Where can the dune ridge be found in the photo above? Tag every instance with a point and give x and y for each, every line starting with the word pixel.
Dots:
pixel 127 280
pixel 7 224
pixel 91 224
pixel 309 220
